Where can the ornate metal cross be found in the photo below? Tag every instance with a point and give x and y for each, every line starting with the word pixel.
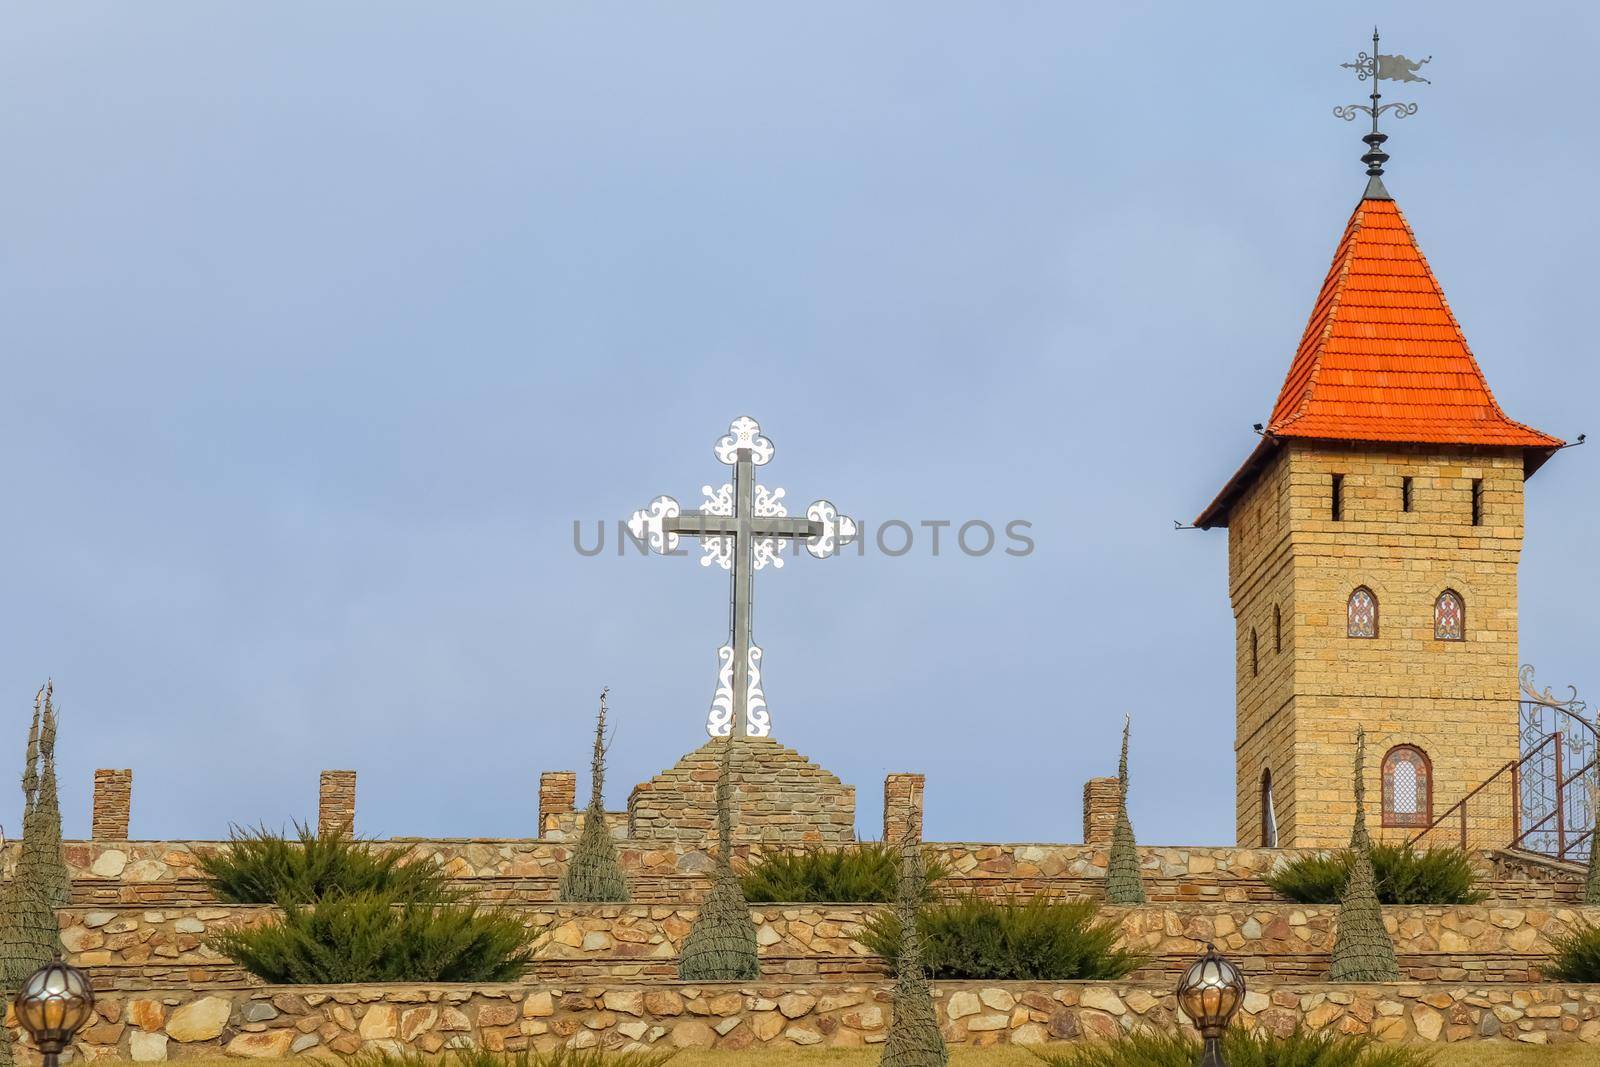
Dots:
pixel 742 527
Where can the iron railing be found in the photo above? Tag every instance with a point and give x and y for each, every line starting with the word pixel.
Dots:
pixel 1541 802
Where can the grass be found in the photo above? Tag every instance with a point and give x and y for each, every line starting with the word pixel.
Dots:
pixel 1473 1054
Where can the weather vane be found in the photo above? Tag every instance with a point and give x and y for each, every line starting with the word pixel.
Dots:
pixel 1378 66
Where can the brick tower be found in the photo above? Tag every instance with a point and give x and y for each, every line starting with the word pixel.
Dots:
pixel 1373 539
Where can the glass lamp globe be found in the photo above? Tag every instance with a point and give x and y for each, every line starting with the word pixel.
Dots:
pixel 1210 993
pixel 53 1005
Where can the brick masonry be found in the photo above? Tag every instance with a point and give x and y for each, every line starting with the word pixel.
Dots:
pixel 336 802
pixel 902 806
pixel 113 800
pixel 779 797
pixel 1304 686
pixel 1100 797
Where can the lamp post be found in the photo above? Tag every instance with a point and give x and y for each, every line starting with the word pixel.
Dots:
pixel 54 1004
pixel 1210 993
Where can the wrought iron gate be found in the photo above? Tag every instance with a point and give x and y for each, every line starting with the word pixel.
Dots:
pixel 1554 802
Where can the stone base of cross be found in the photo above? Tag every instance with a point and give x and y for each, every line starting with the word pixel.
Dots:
pixel 741 527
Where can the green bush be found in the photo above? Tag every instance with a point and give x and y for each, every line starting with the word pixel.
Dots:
pixel 1405 876
pixel 1240 1049
pixel 1575 957
pixel 373 937
pixel 1039 939
pixel 477 1057
pixel 865 873
pixel 262 867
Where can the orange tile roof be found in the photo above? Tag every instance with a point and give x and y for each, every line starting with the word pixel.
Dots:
pixel 1383 359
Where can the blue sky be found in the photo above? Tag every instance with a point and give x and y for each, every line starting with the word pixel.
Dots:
pixel 322 323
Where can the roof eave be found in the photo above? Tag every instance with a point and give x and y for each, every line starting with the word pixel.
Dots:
pixel 1216 513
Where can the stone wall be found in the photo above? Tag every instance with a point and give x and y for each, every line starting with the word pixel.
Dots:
pixel 336 802
pixel 164 873
pixel 902 806
pixel 1100 798
pixel 184 1023
pixel 130 947
pixel 779 797
pixel 113 798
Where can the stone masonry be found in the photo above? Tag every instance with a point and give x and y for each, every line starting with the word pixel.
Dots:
pixel 209 1021
pixel 113 800
pixel 336 802
pixel 1100 797
pixel 1304 685
pixel 558 799
pixel 902 806
pixel 779 797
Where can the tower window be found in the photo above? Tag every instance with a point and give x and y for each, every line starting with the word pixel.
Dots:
pixel 1277 628
pixel 1361 614
pixel 1269 813
pixel 1477 501
pixel 1449 617
pixel 1405 493
pixel 1255 668
pixel 1407 787
pixel 1336 498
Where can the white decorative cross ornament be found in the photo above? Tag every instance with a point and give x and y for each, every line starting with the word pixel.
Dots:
pixel 741 528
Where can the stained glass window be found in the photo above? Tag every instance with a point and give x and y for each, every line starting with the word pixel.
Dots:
pixel 1449 617
pixel 1407 787
pixel 1362 614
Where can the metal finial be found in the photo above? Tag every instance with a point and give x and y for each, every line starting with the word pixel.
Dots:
pixel 1376 67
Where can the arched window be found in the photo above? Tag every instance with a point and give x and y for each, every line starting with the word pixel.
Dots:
pixel 1361 614
pixel 1269 813
pixel 1407 787
pixel 1449 617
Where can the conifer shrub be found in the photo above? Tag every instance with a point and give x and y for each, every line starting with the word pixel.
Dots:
pixel 864 873
pixel 29 934
pixel 1575 957
pixel 594 874
pixel 478 1057
pixel 1363 951
pixel 721 946
pixel 1123 883
pixel 914 1038
pixel 1240 1048
pixel 1040 939
pixel 1404 876
pixel 375 937
pixel 264 867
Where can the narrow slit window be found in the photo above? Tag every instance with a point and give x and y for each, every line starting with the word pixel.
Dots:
pixel 1405 494
pixel 1269 814
pixel 1477 501
pixel 1277 628
pixel 1336 498
pixel 1255 662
